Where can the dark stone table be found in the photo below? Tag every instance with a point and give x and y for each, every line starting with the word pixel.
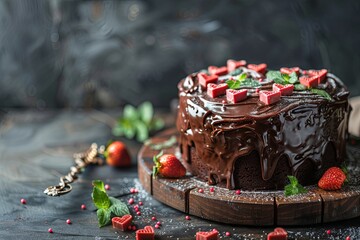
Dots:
pixel 36 148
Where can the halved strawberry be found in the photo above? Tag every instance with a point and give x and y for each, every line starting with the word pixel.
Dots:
pixel 167 165
pixel 332 179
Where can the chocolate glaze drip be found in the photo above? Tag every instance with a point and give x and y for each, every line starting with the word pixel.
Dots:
pixel 298 127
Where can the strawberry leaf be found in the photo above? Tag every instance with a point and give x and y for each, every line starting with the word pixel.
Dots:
pixel 294 187
pixel 157 164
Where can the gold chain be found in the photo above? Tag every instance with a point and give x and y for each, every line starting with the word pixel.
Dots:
pixel 82 160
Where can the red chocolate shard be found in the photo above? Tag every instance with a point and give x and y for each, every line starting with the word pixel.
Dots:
pixel 235 96
pixel 213 70
pixel 145 234
pixel 319 73
pixel 212 235
pixel 288 71
pixel 269 97
pixel 261 68
pixel 283 89
pixel 278 234
pixel 214 90
pixel 122 223
pixel 204 79
pixel 232 64
pixel 309 81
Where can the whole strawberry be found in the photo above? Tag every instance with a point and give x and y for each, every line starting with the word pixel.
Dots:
pixel 167 165
pixel 332 179
pixel 117 155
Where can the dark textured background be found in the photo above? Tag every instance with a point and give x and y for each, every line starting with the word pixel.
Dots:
pixel 107 53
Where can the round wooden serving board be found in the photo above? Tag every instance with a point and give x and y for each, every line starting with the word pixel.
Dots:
pixel 255 208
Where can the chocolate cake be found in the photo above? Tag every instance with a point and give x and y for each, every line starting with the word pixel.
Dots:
pixel 245 127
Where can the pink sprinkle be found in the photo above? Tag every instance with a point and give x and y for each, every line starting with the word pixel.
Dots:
pixel 237 192
pixel 23 201
pixel 83 206
pixel 107 187
pixel 153 218
pixel 328 232
pixel 158 223
pixel 131 201
pixel 132 190
pixel 223 101
pixel 187 218
pixel 129 228
pixel 215 230
pixel 68 221
pixel 257 90
pixel 133 228
pixel 157 226
pixel 201 190
pixel 348 238
pixel 140 203
pixel 136 191
pixel 228 234
pixel 212 189
pixel 50 230
pixel 138 213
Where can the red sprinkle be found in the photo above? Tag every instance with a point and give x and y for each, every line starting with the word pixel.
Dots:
pixel 237 192
pixel 133 228
pixel 328 232
pixel 187 218
pixel 107 187
pixel 157 226
pixel 153 218
pixel 68 221
pixel 132 190
pixel 129 228
pixel 348 238
pixel 138 213
pixel 50 230
pixel 212 189
pixel 23 201
pixel 136 191
pixel 131 201
pixel 158 223
pixel 140 203
pixel 228 234
pixel 201 190
pixel 83 206
pixel 215 230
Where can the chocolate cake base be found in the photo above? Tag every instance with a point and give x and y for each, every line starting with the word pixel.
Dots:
pixel 253 208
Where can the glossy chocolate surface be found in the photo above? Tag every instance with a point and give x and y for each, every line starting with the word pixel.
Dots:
pixel 300 128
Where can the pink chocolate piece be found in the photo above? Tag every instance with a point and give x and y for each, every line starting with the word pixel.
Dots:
pixel 309 81
pixel 288 71
pixel 213 70
pixel 278 234
pixel 214 90
pixel 145 234
pixel 204 79
pixel 212 235
pixel 283 89
pixel 261 68
pixel 232 64
pixel 319 73
pixel 235 96
pixel 269 97
pixel 122 223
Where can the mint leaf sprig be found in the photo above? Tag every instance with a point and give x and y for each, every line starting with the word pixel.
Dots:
pixel 282 78
pixel 294 187
pixel 137 122
pixel 107 207
pixel 161 145
pixel 242 81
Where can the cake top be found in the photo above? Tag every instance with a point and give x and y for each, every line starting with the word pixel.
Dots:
pixel 258 90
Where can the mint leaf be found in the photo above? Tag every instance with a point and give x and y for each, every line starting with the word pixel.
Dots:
pixel 321 92
pixel 130 112
pixel 293 78
pixel 156 124
pixel 236 72
pixel 146 112
pixel 299 87
pixel 142 132
pixel 276 76
pixel 233 84
pixel 100 198
pixel 242 77
pixel 99 184
pixel 104 216
pixel 294 187
pixel 118 208
pixel 162 145
pixel 249 82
